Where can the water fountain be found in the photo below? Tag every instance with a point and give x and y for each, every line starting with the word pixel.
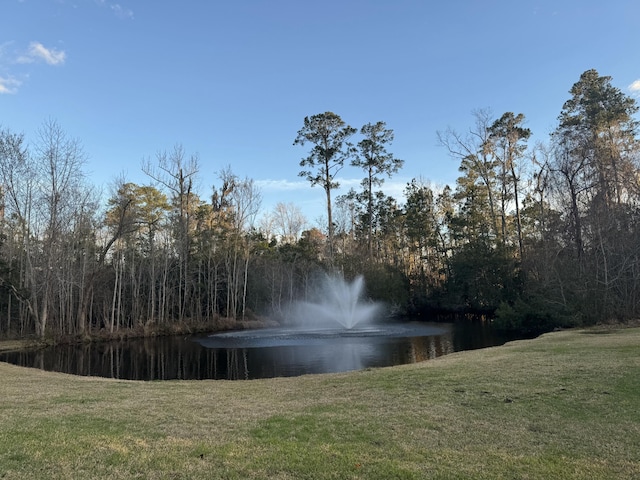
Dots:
pixel 337 303
pixel 336 312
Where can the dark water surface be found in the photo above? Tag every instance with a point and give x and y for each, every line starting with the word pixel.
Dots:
pixel 261 354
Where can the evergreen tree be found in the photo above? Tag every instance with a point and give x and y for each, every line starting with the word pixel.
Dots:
pixel 329 135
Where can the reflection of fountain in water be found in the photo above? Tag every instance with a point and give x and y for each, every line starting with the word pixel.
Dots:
pixel 337 303
pixel 280 352
pixel 314 337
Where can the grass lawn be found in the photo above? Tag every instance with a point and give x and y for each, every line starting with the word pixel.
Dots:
pixel 563 406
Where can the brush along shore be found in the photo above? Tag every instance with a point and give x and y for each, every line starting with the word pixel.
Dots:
pixel 565 405
pixel 141 331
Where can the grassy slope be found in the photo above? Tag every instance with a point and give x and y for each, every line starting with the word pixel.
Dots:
pixel 566 405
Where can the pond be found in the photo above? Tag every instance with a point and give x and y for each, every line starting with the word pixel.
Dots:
pixel 260 354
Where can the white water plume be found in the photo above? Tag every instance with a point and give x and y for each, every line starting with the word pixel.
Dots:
pixel 337 303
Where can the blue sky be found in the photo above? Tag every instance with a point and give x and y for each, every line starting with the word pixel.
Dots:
pixel 232 81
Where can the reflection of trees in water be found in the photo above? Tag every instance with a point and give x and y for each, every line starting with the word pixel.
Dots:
pixel 237 365
pixel 151 359
pixel 427 348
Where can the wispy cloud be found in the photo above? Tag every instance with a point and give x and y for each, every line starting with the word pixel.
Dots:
pixel 38 52
pixel 634 88
pixel 394 188
pixel 10 55
pixel 120 11
pixel 9 85
pixel 6 54
pixel 117 9
pixel 281 185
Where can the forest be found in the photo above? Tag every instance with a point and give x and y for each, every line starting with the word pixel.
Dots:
pixel 534 237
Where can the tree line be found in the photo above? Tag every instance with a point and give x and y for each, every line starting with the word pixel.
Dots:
pixel 534 236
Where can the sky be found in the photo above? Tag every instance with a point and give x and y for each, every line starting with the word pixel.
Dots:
pixel 232 81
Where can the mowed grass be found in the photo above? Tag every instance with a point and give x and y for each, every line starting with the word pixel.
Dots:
pixel 562 406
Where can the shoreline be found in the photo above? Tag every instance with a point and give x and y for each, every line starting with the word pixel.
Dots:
pixel 218 325
pixel 148 331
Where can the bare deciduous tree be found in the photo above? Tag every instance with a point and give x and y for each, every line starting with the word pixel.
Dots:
pixel 288 221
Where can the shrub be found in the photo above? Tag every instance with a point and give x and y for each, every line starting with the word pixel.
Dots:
pixel 532 316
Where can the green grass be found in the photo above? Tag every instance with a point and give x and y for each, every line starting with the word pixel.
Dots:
pixel 565 406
